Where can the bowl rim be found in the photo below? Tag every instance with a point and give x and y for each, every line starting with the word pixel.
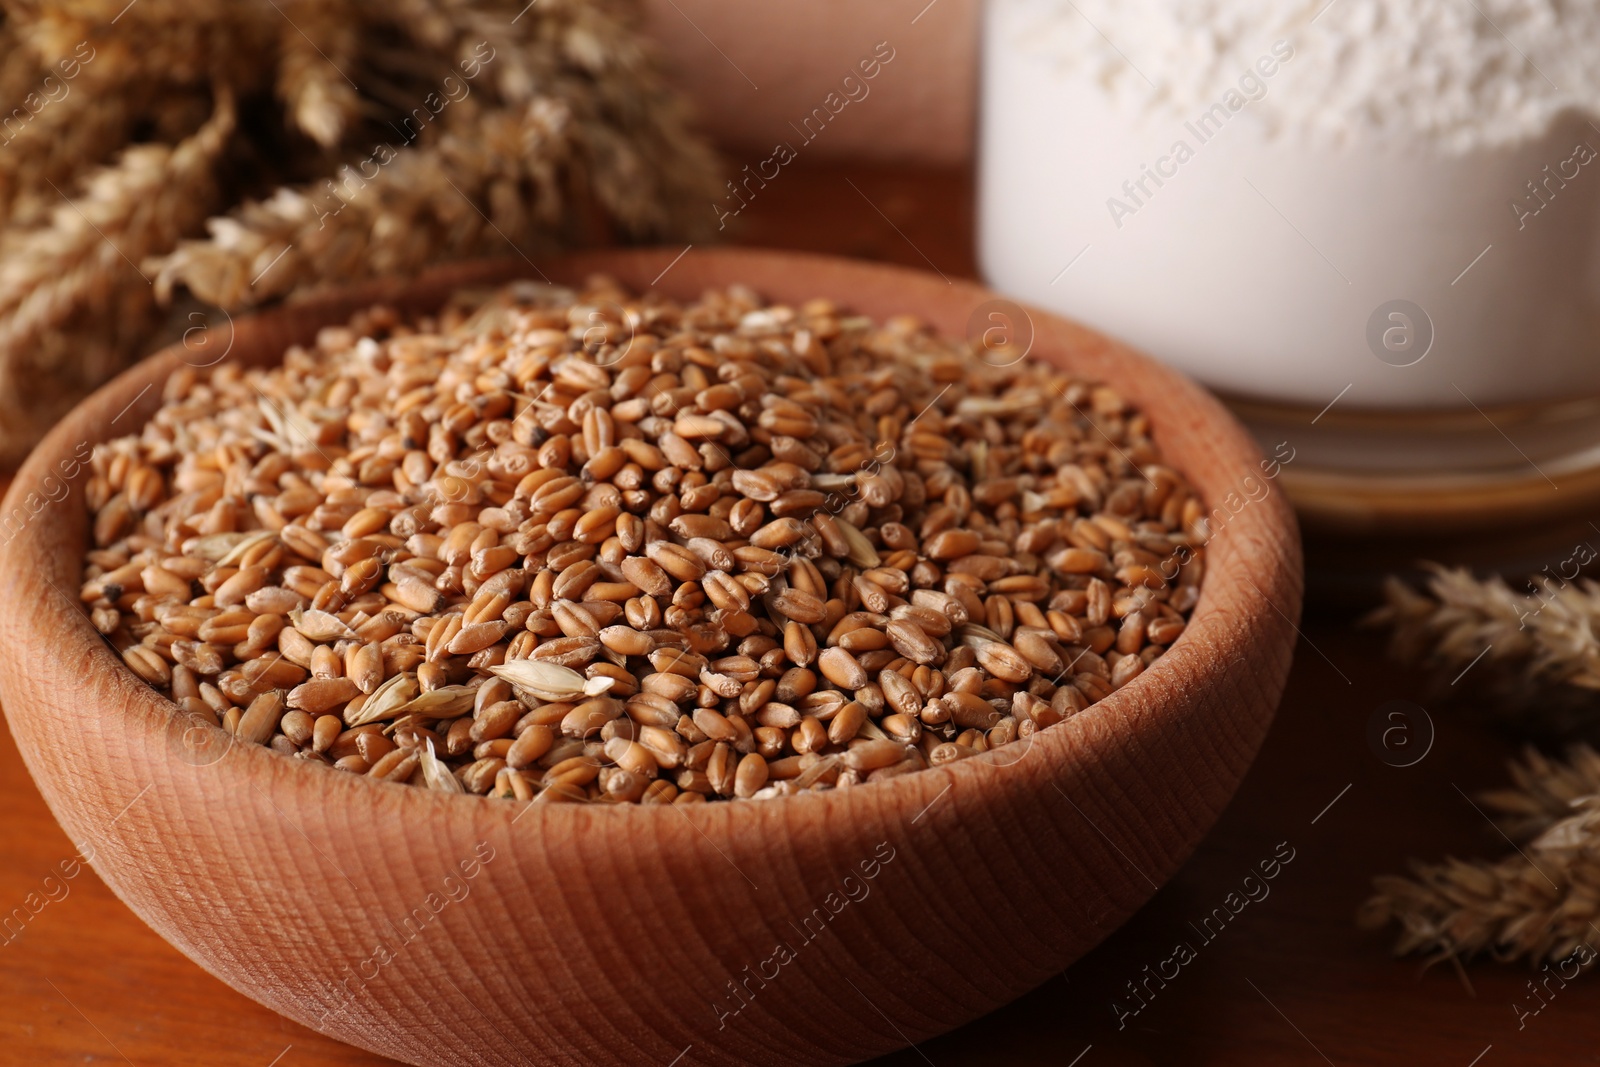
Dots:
pixel 1215 622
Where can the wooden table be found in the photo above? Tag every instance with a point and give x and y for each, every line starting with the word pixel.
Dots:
pixel 1288 981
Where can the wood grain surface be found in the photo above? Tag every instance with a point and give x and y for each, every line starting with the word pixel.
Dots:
pixel 1287 981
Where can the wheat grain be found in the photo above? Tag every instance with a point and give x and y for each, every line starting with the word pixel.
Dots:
pixel 718 549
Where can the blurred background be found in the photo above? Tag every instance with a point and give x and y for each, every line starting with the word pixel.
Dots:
pixel 925 115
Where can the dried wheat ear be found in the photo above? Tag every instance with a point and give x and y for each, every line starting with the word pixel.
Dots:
pixel 1540 903
pixel 164 158
pixel 587 546
pixel 1532 654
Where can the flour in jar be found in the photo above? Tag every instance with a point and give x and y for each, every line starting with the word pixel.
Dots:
pixel 1456 74
pixel 1247 188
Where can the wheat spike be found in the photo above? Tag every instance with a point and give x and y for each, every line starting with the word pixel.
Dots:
pixel 1540 653
pixel 561 134
pixel 1539 903
pixel 79 266
pixel 318 42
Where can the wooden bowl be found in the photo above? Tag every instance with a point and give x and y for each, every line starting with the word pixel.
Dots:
pixel 819 929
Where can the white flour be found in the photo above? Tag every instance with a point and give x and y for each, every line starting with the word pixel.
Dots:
pixel 1455 74
pixel 1255 211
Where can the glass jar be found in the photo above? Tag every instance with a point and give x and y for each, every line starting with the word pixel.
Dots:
pixel 1409 318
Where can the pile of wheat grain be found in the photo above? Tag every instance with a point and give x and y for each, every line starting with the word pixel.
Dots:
pixel 590 547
